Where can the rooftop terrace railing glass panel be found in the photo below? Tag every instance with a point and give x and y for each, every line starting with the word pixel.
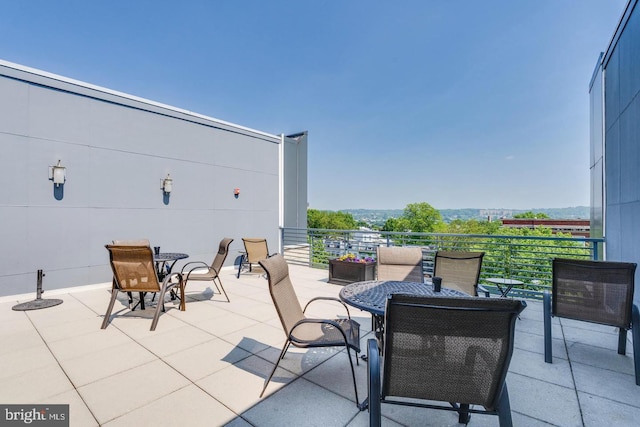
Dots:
pixel 525 258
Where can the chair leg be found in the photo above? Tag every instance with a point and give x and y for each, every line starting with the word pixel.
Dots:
pixel 216 285
pixel 183 300
pixel 140 302
pixel 156 315
pixel 353 372
pixel 546 307
pixel 504 408
pixel 635 331
pixel 114 295
pixel 284 350
pixel 622 341
pixel 240 265
pixel 160 306
pixel 373 383
pixel 141 295
pixel 463 414
pixel 221 288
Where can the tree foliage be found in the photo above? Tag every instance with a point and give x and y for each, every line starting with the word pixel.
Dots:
pixel 473 226
pixel 390 224
pixel 532 215
pixel 507 254
pixel 330 220
pixel 418 218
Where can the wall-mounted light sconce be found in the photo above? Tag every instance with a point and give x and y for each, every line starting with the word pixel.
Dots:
pixel 166 184
pixel 236 192
pixel 58 174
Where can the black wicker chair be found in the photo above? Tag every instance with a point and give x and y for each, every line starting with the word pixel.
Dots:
pixel 454 350
pixel 596 292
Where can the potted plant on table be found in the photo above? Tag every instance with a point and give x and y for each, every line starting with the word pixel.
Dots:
pixel 351 268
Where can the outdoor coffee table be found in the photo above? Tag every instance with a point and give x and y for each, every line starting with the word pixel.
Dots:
pixel 372 296
pixel 504 285
pixel 164 264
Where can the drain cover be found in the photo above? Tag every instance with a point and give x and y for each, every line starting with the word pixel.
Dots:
pixel 36 304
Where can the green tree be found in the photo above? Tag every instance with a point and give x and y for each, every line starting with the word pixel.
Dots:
pixel 528 260
pixel 532 215
pixel 330 220
pixel 390 224
pixel 417 217
pixel 319 255
pixel 472 226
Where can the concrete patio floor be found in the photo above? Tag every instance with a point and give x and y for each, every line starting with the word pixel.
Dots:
pixel 206 365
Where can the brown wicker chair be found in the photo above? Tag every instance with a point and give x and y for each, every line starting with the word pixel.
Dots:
pixel 134 271
pixel 596 292
pixel 399 263
pixel 460 270
pixel 255 250
pixel 195 270
pixel 305 332
pixel 441 349
pixel 134 242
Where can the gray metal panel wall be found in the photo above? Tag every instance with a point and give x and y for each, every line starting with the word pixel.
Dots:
pixel 116 150
pixel 596 162
pixel 295 181
pixel 622 140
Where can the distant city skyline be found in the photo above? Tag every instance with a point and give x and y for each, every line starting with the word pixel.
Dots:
pixel 452 103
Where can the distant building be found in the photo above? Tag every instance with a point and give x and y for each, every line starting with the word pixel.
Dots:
pixel 576 227
pixel 495 213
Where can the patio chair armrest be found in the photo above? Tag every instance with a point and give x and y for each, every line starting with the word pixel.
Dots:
pixel 201 264
pixel 333 323
pixel 546 318
pixel 373 383
pixel 168 280
pixel 328 299
pixel 484 290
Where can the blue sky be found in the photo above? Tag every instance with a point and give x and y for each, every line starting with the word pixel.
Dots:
pixel 456 103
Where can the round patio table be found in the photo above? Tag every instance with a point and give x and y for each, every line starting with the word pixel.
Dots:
pixel 372 296
pixel 165 262
pixel 504 285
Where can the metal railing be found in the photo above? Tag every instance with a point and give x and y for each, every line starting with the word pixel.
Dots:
pixel 525 258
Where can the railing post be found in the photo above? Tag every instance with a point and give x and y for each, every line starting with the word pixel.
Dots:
pixel 282 240
pixel 309 240
pixel 546 317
